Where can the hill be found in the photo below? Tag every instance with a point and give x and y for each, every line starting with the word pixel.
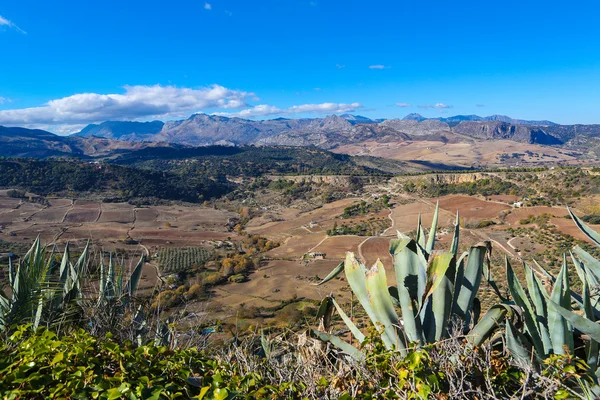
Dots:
pixel 333 131
pixel 22 142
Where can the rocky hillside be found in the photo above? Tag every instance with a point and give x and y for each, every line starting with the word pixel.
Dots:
pixel 35 143
pixel 333 130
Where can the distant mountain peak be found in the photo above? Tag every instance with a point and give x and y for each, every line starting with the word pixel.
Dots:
pixel 414 117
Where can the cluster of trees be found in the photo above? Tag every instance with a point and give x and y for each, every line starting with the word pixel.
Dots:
pixel 485 187
pixel 247 161
pixel 364 208
pixel 180 259
pixel 67 177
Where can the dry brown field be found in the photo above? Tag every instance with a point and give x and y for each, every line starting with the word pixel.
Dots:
pixel 464 154
pixel 471 207
pixel 518 214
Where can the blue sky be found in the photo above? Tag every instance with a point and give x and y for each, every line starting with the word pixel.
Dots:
pixel 68 63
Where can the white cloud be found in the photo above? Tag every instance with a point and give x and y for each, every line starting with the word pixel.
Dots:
pixel 5 100
pixel 228 13
pixel 138 102
pixel 480 105
pixel 403 105
pixel 207 6
pixel 318 89
pixel 340 66
pixel 437 105
pixel 379 66
pixel 10 24
pixel 264 110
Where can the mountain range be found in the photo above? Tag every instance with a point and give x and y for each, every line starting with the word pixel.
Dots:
pixel 333 130
pixel 111 137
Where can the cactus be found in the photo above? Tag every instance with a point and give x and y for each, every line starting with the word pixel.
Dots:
pixel 433 288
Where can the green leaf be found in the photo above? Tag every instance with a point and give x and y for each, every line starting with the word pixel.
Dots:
pixel 592 348
pixel 355 331
pixel 383 308
pixel 538 297
pixel 443 296
pixel 587 231
pixel 340 344
pixel 325 312
pixel 488 324
pixel 455 237
pixel 530 317
pixel 585 325
pixel 411 278
pixel 560 329
pixel 517 344
pixel 468 286
pixel 336 271
pixel 434 222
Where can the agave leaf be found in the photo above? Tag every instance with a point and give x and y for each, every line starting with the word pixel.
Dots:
pixel 488 324
pixel 584 271
pixel 356 276
pixel 336 271
pixel 454 246
pixel 134 279
pixel 590 262
pixel 559 327
pixel 421 240
pixel 583 324
pixel 383 308
pixel 530 317
pixel 355 331
pixel 441 293
pixel 434 223
pixel 393 291
pixel 265 345
pixel 65 269
pixel 538 297
pixel 436 272
pixel 592 347
pixel 587 231
pixel 325 312
pixel 339 343
pixel 468 285
pixel 487 274
pixel 517 344
pixel 409 266
pixel 102 282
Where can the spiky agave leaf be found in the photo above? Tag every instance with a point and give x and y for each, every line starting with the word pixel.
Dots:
pixel 467 285
pixel 411 278
pixel 455 237
pixel 560 328
pixel 592 347
pixel 520 298
pixel 433 230
pixel 325 312
pixel 538 294
pixel 353 328
pixel 492 320
pixel 335 272
pixel 587 231
pixel 383 308
pixel 441 295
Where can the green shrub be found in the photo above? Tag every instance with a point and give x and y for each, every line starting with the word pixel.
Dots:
pixel 38 365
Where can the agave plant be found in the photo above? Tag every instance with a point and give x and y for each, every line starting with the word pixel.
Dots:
pixel 432 289
pixel 558 319
pixel 40 295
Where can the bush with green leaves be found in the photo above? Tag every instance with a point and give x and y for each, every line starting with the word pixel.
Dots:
pixel 39 365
